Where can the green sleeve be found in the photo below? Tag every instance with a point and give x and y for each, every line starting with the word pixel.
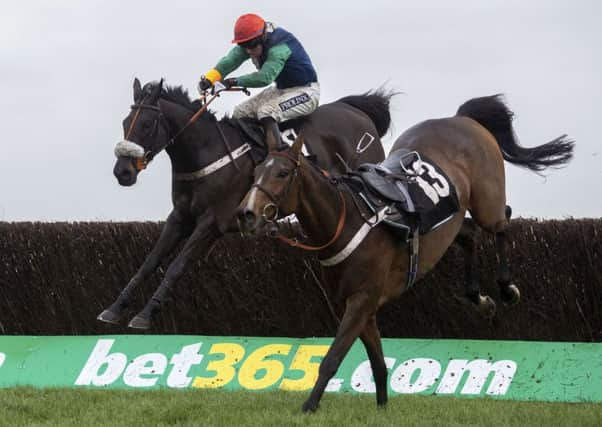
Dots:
pixel 231 61
pixel 271 68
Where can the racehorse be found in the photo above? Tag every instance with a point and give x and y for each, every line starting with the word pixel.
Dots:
pixel 470 148
pixel 213 164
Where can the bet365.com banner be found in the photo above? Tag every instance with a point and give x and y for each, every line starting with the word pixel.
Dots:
pixel 569 372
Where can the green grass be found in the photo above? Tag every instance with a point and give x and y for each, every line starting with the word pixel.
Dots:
pixel 67 407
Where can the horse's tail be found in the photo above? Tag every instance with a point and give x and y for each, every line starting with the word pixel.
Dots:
pixel 493 114
pixel 375 104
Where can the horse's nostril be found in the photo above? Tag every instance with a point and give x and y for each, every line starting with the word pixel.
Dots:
pixel 249 217
pixel 124 175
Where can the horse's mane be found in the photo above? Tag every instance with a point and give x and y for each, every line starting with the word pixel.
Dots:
pixel 179 95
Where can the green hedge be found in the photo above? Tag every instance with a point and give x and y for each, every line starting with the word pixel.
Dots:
pixel 56 277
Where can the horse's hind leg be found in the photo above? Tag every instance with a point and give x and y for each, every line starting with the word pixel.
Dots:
pixel 508 291
pixel 370 336
pixel 466 239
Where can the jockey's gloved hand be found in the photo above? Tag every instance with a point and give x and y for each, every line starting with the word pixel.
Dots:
pixel 229 82
pixel 204 84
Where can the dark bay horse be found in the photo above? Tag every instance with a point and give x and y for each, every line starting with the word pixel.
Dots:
pixel 213 169
pixel 470 148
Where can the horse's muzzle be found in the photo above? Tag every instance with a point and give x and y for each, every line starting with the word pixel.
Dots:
pixel 125 172
pixel 247 221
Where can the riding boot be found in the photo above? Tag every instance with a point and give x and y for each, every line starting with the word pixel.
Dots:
pixel 272 133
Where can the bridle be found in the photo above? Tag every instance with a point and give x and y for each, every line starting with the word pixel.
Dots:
pixel 275 202
pixel 142 162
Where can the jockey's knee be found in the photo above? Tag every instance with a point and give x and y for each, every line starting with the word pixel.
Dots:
pixel 241 112
pixel 269 111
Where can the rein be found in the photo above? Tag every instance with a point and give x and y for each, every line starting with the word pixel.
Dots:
pixel 295 242
pixel 337 234
pixel 141 163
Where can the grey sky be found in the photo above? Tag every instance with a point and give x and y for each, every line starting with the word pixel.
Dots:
pixel 66 71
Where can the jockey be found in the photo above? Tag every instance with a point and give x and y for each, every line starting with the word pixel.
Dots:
pixel 279 57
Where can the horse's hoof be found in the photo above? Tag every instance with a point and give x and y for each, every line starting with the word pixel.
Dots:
pixel 510 295
pixel 309 407
pixel 140 322
pixel 486 307
pixel 381 405
pixel 109 317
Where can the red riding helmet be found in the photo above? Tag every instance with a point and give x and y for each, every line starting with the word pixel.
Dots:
pixel 248 27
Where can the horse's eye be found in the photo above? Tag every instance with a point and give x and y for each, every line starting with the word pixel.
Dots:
pixel 283 173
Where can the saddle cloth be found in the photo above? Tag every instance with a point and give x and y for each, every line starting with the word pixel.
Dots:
pixel 416 191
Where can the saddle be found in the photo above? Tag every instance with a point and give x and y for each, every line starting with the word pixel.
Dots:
pixel 389 179
pixel 406 193
pixel 398 183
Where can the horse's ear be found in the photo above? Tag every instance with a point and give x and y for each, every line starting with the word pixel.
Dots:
pixel 297 145
pixel 137 89
pixel 156 92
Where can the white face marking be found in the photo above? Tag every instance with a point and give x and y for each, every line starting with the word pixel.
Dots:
pixel 252 196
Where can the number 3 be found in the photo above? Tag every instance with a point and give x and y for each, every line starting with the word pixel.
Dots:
pixel 439 188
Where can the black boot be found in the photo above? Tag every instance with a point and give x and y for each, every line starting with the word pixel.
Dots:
pixel 272 133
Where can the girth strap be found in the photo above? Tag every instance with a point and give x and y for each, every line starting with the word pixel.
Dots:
pixel 356 240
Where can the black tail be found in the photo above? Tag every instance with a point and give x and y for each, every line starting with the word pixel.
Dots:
pixel 375 104
pixel 493 114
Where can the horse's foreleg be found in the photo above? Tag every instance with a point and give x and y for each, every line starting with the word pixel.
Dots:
pixel 203 236
pixel 508 291
pixel 173 232
pixel 466 239
pixel 370 336
pixel 359 308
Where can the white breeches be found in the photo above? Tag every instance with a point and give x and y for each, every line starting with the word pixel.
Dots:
pixel 280 104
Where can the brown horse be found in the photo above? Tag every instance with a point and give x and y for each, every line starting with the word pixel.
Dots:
pixel 470 148
pixel 213 162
